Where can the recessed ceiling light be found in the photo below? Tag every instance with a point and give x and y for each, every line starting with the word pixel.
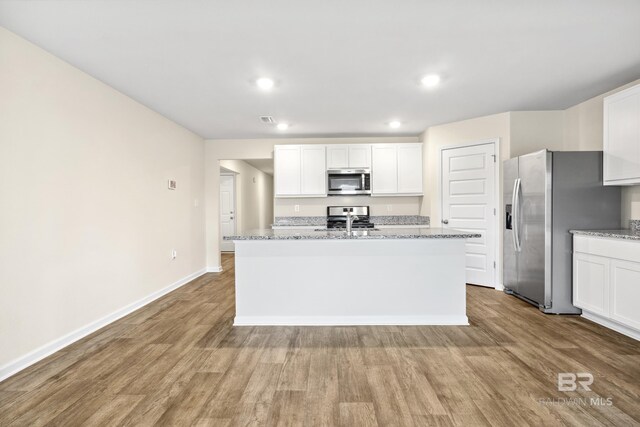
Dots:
pixel 265 83
pixel 430 80
pixel 395 124
pixel 283 126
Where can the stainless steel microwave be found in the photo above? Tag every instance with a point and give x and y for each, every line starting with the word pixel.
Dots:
pixel 346 182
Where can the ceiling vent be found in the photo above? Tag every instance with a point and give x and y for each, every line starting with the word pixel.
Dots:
pixel 267 119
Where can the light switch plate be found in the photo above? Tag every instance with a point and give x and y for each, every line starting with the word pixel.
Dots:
pixel 172 184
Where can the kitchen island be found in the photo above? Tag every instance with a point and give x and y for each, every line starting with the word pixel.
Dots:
pixel 369 277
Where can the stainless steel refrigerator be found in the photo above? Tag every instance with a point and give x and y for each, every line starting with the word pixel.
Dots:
pixel 546 194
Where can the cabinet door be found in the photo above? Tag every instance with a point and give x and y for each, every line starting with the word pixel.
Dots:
pixel 625 293
pixel 360 156
pixel 314 170
pixel 287 169
pixel 337 156
pixel 410 168
pixel 591 283
pixel 622 137
pixel 384 169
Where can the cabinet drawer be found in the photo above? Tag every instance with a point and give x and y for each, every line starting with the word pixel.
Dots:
pixel 628 250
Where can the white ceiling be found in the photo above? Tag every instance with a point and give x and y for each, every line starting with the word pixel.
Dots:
pixel 342 67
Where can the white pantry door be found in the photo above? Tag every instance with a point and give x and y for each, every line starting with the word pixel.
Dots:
pixel 227 211
pixel 469 203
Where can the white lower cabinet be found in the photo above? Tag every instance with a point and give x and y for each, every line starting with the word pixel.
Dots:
pixel 606 282
pixel 591 273
pixel 625 292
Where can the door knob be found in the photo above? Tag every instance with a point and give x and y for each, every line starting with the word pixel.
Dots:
pixel 445 221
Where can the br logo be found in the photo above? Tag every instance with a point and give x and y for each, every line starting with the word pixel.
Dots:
pixel 568 381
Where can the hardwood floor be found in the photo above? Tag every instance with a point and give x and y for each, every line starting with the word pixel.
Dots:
pixel 178 361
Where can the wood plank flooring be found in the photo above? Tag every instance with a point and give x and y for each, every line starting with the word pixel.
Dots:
pixel 179 361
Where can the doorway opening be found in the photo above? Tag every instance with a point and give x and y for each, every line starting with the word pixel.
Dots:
pixel 246 197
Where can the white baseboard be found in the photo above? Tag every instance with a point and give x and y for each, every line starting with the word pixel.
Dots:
pixel 216 269
pixel 348 320
pixel 611 324
pixel 40 353
pixel 499 287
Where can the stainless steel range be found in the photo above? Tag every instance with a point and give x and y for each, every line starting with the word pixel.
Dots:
pixel 338 217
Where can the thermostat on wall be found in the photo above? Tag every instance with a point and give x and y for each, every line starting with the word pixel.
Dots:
pixel 172 184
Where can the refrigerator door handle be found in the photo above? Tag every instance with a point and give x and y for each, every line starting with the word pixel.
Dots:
pixel 516 214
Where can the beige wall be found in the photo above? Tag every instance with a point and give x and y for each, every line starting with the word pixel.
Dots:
pixel 494 127
pixel 254 196
pixel 535 130
pixel 87 222
pixel 467 131
pixel 216 150
pixel 517 132
pixel 583 130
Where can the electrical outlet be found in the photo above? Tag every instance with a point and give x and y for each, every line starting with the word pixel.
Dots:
pixel 172 184
pixel 296 208
pixel 389 208
pixel 174 254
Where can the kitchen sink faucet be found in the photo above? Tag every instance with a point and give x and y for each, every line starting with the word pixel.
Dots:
pixel 350 219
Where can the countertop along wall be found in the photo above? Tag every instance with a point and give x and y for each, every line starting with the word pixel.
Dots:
pixel 216 150
pixel 87 223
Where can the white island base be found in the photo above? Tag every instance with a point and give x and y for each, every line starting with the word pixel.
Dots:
pixel 351 282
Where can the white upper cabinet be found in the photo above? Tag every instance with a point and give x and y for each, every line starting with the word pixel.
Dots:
pixel 360 156
pixel 355 156
pixel 396 169
pixel 622 137
pixel 410 168
pixel 337 156
pixel 300 171
pixel 313 175
pixel 287 167
pixel 384 169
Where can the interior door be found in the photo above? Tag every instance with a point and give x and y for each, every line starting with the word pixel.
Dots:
pixel 535 188
pixel 227 211
pixel 468 203
pixel 509 256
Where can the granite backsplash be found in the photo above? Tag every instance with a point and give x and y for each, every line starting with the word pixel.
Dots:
pixel 379 220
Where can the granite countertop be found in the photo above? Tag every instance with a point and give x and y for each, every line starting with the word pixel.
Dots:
pixel 397 233
pixel 612 234
pixel 320 221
